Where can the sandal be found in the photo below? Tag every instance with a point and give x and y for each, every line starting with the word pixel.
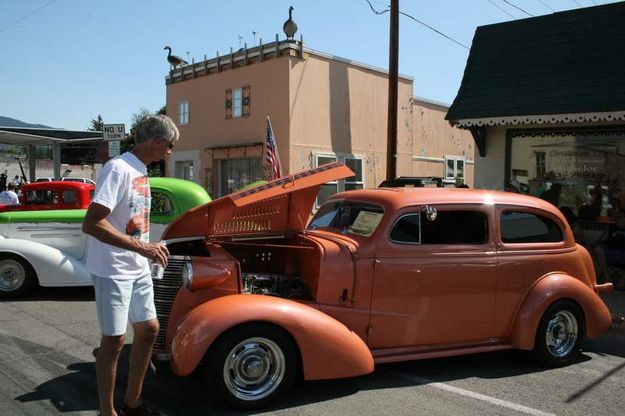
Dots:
pixel 146 409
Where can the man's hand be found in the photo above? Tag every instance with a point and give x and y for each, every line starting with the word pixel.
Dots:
pixel 155 251
pixel 96 225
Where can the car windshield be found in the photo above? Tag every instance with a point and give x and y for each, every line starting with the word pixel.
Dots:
pixel 348 217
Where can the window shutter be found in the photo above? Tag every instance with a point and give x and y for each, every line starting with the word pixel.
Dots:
pixel 228 104
pixel 246 100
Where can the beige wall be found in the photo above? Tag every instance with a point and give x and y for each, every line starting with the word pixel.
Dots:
pixel 341 109
pixel 318 106
pixel 435 139
pixel 208 126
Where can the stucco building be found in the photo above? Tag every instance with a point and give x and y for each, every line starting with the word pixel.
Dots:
pixel 322 108
pixel 544 98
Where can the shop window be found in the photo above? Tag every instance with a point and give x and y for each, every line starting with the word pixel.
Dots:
pixel 183 112
pixel 238 173
pixel 584 169
pixel 525 227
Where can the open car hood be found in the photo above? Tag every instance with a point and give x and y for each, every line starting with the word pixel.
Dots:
pixel 281 206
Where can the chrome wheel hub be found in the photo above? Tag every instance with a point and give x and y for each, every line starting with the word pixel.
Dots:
pixel 254 368
pixel 12 275
pixel 562 333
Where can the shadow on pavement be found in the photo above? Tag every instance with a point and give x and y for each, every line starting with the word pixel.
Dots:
pixel 188 396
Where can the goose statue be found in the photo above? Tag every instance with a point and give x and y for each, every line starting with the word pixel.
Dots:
pixel 290 27
pixel 174 60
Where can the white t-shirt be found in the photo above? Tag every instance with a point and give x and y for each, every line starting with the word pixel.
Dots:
pixel 122 186
pixel 9 198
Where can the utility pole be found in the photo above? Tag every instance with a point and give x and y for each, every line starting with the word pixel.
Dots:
pixel 391 147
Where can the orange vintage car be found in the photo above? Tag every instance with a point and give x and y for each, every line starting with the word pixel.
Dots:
pixel 259 294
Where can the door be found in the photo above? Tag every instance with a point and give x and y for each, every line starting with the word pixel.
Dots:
pixel 434 280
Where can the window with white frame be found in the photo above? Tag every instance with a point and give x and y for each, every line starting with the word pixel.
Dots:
pixel 237 103
pixel 454 168
pixel 355 182
pixel 183 112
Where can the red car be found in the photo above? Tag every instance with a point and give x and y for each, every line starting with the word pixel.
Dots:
pixel 53 195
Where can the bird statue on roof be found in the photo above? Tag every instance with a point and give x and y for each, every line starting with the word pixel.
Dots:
pixel 290 27
pixel 174 60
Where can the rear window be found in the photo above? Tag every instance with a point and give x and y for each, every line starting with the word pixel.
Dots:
pixel 526 227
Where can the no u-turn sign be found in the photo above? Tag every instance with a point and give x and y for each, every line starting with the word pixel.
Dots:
pixel 113 132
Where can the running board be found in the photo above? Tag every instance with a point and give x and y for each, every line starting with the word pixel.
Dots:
pixel 392 355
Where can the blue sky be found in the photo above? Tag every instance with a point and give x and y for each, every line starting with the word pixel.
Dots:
pixel 74 59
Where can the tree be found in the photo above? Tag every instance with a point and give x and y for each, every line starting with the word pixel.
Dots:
pixel 96 123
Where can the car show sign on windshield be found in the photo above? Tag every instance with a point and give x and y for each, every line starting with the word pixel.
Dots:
pixel 111 132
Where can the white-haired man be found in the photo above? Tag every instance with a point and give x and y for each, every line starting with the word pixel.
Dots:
pixel 118 250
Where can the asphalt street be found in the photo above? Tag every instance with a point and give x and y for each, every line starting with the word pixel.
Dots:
pixel 47 368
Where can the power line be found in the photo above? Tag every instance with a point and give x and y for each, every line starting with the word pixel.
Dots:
pixel 435 30
pixel 517 7
pixel 420 22
pixel 376 11
pixel 26 16
pixel 576 2
pixel 500 8
pixel 546 5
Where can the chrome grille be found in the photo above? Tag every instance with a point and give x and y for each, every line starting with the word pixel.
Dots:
pixel 165 291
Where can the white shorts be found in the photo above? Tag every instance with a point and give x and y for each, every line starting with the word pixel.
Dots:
pixel 121 300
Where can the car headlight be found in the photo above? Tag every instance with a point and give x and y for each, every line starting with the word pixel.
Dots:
pixel 187 275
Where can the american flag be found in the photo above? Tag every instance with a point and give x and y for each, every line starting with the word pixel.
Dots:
pixel 271 153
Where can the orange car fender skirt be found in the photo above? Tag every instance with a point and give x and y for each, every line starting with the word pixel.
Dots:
pixel 547 291
pixel 328 348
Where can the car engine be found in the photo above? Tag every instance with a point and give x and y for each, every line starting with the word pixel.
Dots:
pixel 289 287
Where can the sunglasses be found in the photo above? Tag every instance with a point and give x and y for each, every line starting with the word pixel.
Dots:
pixel 171 144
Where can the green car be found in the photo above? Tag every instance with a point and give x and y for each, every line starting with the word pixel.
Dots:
pixel 47 248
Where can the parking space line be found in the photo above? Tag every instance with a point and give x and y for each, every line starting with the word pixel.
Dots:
pixel 471 394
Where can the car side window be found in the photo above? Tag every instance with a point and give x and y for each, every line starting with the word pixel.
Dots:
pixel 527 227
pixel 406 229
pixel 69 197
pixel 161 204
pixel 449 227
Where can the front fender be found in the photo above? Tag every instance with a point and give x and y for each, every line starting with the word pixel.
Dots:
pixel 547 291
pixel 52 266
pixel 328 348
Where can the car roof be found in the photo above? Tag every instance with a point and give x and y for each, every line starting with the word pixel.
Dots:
pixel 400 197
pixel 49 185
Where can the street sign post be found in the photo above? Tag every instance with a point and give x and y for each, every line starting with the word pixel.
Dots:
pixel 114 134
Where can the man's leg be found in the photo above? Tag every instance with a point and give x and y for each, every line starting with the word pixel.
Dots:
pixel 112 302
pixel 144 335
pixel 106 370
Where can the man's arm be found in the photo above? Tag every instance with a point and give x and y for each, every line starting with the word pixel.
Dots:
pixel 97 226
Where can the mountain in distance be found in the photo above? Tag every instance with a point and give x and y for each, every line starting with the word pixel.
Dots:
pixel 12 122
